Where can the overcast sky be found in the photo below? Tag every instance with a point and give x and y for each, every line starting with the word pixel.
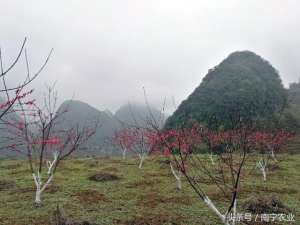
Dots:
pixel 105 51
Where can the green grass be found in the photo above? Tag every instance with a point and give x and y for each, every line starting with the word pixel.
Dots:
pixel 146 196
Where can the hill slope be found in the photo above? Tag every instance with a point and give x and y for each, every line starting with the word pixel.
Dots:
pixel 293 111
pixel 138 114
pixel 244 86
pixel 6 137
pixel 294 99
pixel 84 115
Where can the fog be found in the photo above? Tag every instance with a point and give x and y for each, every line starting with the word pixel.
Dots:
pixel 105 52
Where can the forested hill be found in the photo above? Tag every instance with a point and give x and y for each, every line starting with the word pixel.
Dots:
pixel 294 98
pixel 293 111
pixel 243 84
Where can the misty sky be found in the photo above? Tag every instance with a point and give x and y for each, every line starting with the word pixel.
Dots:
pixel 105 51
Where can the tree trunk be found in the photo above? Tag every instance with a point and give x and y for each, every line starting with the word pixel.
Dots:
pixel 177 177
pixel 50 164
pixel 212 159
pixel 273 155
pixel 39 187
pixel 142 158
pixel 263 170
pixel 211 205
pixel 38 197
pixel 262 165
pixel 179 184
pixel 234 212
pixel 124 154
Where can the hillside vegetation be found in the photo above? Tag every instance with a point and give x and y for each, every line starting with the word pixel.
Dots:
pixel 243 86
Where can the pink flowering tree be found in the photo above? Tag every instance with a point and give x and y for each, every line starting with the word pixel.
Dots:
pixel 235 143
pixel 267 146
pixel 170 142
pixel 38 136
pixel 141 143
pixel 185 147
pixel 11 94
pixel 136 140
pixel 124 140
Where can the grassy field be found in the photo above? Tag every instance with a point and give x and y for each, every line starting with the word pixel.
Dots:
pixel 146 196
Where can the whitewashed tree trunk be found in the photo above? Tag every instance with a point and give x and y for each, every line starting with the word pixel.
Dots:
pixel 264 174
pixel 234 212
pixel 50 164
pixel 211 205
pixel 38 179
pixel 142 158
pixel 226 220
pixel 273 155
pixel 38 189
pixel 38 197
pixel 124 153
pixel 212 158
pixel 177 177
pixel 39 186
pixel 262 165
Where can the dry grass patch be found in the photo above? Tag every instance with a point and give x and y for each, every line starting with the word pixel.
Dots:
pixel 90 196
pixel 52 188
pixel 273 167
pixel 274 189
pixel 7 185
pixel 143 184
pixel 157 174
pixel 152 219
pixel 103 177
pixel 216 194
pixel 59 218
pixel 153 199
pixel 265 204
pixel 115 161
pixel 110 169
pixel 92 163
pixel 10 166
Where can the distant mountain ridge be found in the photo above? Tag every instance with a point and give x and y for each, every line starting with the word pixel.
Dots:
pixel 14 118
pixel 84 115
pixel 137 114
pixel 81 113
